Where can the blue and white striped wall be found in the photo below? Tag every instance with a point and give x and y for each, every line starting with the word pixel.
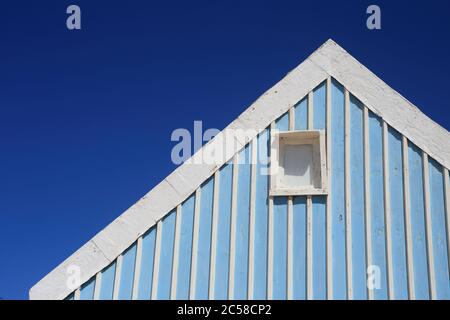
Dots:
pixel 387 206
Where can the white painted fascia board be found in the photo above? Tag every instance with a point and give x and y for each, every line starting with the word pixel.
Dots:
pixel 328 60
pixel 54 285
pixel 381 99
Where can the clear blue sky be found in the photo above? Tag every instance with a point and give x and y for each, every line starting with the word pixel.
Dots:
pixel 86 116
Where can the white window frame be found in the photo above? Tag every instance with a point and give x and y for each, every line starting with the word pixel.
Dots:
pixel 279 139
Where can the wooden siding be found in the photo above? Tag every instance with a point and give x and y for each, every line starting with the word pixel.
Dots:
pixel 387 206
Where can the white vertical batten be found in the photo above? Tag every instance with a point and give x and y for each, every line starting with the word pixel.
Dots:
pixel 290 235
pixel 195 244
pixel 98 285
pixel 117 277
pixel 429 236
pixel 251 265
pixel 348 216
pixel 328 222
pixel 310 110
pixel 215 218
pixel 156 264
pixel 387 213
pixel 270 239
pixel 233 227
pixel 309 250
pixel 447 208
pixel 76 294
pixel 176 254
pixel 309 226
pixel 367 196
pixel 137 269
pixel 291 119
pixel 408 225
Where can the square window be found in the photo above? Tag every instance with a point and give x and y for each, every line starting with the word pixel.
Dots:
pixel 298 165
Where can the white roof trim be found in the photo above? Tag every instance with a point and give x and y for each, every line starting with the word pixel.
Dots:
pixel 397 111
pixel 329 60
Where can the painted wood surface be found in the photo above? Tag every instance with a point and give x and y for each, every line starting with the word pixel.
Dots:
pixel 373 176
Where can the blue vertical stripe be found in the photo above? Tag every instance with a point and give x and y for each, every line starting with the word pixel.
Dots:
pixel 127 273
pixel 280 232
pixel 319 202
pixel 87 290
pixel 301 115
pixel 319 243
pixel 282 123
pixel 147 260
pixel 204 241
pixel 338 218
pixel 299 248
pixel 242 225
pixel 397 212
pixel 261 217
pixel 107 284
pixel 320 107
pixel 419 249
pixel 185 249
pixel 279 247
pixel 378 231
pixel 223 232
pixel 358 234
pixel 438 230
pixel 166 256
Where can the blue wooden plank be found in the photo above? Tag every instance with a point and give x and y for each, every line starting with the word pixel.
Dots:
pixel 87 290
pixel 223 232
pixel 127 273
pixel 242 225
pixel 398 236
pixel 279 247
pixel 280 232
pixel 338 218
pixel 147 258
pixel 166 256
pixel 319 245
pixel 377 232
pixel 261 217
pixel 320 105
pixel 185 249
pixel 299 275
pixel 439 237
pixel 107 284
pixel 319 202
pixel 204 241
pixel 301 114
pixel 282 123
pixel 358 234
pixel 417 211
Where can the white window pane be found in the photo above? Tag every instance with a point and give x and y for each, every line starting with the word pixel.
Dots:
pixel 297 163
